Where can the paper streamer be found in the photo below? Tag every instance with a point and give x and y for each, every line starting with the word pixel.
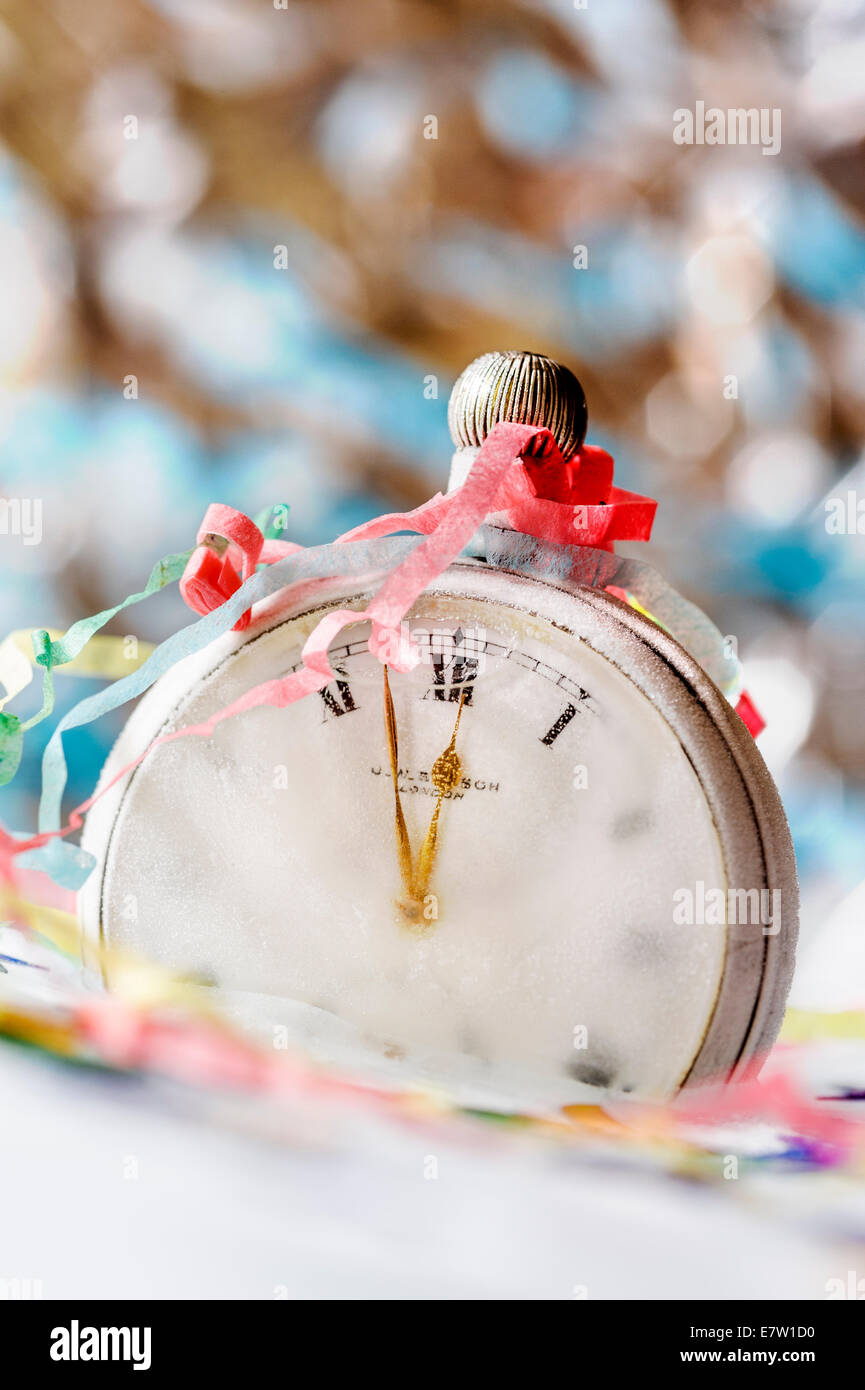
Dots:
pixel 744 706
pixel 11 746
pixel 644 588
pixel 49 653
pixel 562 503
pixel 777 1100
pixel 211 574
pixel 104 658
pixel 804 1025
pixel 16 667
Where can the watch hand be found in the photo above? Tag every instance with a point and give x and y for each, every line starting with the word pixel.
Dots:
pixel 446 773
pixel 402 841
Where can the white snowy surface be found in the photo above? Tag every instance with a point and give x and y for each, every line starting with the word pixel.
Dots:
pixel 110 1191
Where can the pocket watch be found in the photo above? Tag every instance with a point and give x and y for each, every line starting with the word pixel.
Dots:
pixel 549 856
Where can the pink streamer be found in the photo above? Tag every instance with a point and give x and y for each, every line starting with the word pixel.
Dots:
pixel 776 1100
pixel 569 502
pixel 211 578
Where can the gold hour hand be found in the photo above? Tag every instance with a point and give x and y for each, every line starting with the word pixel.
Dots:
pixel 446 773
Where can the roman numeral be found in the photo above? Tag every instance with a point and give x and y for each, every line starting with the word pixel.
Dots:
pixel 449 679
pixel 452 673
pixel 337 701
pixel 561 723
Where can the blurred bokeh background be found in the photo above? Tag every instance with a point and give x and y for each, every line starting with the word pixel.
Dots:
pixel 247 245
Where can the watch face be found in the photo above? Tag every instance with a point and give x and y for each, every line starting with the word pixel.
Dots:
pixel 511 912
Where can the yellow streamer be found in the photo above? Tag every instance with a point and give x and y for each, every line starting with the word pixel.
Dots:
pixel 105 658
pixel 803 1025
pixel 140 982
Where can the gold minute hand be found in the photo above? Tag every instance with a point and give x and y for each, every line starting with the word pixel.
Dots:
pixel 446 773
pixel 402 841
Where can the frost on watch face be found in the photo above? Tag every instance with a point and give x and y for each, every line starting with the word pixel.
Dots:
pixel 504 924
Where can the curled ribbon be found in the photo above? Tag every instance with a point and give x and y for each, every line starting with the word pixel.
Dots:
pixel 227 541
